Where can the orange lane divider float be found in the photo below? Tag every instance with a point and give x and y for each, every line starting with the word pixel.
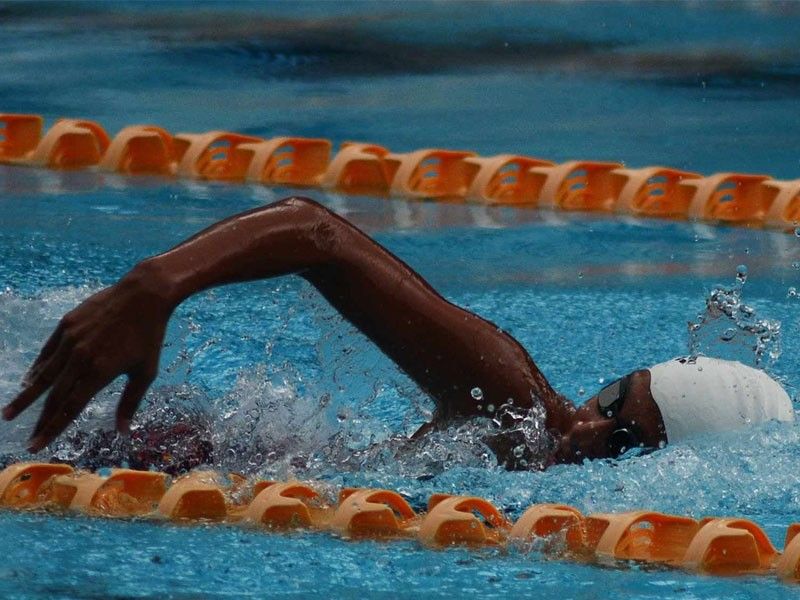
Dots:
pixel 730 197
pixel 140 149
pixel 21 483
pixel 576 185
pixel 451 520
pixel 653 191
pixel 547 520
pixel 277 505
pixel 434 173
pixel 123 492
pixel 19 135
pixel 196 496
pixel 372 513
pixel 712 546
pixel 68 144
pixel 788 565
pixel 215 155
pixel 359 169
pixel 430 173
pixel 293 161
pixel 501 179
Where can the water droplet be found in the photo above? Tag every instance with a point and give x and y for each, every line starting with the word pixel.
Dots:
pixel 477 394
pixel 741 273
pixel 581 391
pixel 797 232
pixel 580 274
pixel 699 367
pixel 609 414
pixel 791 292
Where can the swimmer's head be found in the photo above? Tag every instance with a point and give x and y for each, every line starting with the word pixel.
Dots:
pixel 622 416
pixel 670 402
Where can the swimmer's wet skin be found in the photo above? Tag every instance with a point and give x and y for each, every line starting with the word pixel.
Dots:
pixel 447 350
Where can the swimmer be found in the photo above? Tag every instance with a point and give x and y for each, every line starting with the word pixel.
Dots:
pixel 446 350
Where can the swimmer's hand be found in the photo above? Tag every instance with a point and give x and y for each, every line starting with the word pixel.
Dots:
pixel 118 331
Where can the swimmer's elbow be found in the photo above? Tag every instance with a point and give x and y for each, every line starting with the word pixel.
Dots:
pixel 324 230
pixel 305 204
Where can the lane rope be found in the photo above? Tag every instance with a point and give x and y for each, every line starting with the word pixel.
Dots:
pixel 713 545
pixel 429 174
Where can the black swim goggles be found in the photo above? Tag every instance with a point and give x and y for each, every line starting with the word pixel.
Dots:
pixel 609 402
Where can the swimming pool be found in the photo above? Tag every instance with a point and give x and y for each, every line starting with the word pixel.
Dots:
pixel 589 297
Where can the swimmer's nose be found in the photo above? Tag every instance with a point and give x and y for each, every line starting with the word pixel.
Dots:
pixel 587 439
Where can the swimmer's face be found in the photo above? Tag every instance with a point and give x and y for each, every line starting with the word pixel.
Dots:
pixel 596 435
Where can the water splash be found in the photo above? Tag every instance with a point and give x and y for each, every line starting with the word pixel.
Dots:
pixel 729 328
pixel 355 415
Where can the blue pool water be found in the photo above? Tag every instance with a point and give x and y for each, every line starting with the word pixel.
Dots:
pixel 704 87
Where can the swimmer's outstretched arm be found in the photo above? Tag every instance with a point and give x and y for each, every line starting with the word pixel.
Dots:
pixel 447 350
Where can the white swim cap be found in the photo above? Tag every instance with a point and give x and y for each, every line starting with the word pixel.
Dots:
pixel 701 395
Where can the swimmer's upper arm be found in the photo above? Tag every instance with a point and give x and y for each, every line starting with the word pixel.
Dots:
pixel 446 349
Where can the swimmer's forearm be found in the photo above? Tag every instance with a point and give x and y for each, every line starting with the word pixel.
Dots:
pixel 290 236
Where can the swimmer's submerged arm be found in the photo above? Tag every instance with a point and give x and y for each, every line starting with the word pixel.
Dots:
pixel 448 351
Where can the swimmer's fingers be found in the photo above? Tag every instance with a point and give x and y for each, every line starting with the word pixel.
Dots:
pixel 44 354
pixel 64 403
pixel 131 398
pixel 37 382
pixel 63 385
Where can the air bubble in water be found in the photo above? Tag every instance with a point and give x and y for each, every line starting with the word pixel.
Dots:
pixel 797 231
pixel 477 394
pixel 791 292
